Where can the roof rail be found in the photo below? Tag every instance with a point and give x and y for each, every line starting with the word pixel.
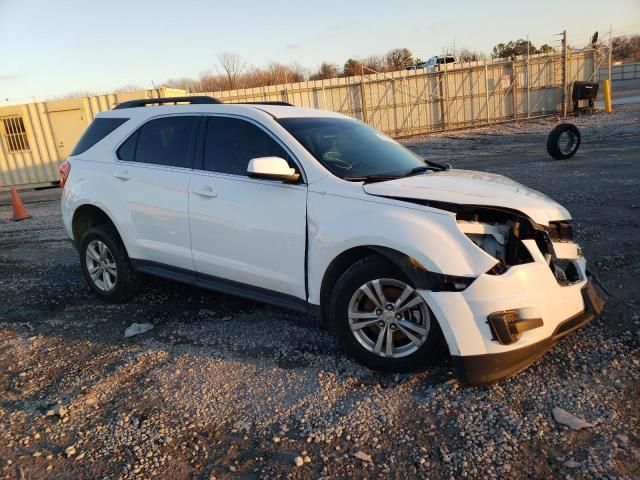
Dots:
pixel 159 101
pixel 284 104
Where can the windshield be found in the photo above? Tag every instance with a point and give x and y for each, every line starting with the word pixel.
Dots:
pixel 352 150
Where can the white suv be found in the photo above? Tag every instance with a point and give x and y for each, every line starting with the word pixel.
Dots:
pixel 318 212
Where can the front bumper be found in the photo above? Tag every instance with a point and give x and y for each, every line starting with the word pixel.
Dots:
pixel 488 368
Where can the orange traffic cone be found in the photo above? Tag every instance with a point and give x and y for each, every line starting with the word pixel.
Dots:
pixel 19 212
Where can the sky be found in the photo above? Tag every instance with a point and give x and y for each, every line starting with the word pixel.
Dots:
pixel 53 47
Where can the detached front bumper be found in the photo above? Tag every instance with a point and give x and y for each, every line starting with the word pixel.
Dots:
pixel 489 368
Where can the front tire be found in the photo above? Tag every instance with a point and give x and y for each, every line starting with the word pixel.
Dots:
pixel 106 266
pixel 381 320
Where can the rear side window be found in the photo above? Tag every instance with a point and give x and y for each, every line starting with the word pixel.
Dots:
pixel 99 128
pixel 164 141
pixel 231 143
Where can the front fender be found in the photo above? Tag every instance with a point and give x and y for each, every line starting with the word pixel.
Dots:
pixel 338 223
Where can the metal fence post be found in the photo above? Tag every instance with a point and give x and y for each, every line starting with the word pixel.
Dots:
pixel 324 97
pixel 610 45
pixel 363 103
pixel 443 119
pixel 564 73
pixel 446 95
pixel 514 99
pixel 395 106
pixel 486 92
pixel 528 78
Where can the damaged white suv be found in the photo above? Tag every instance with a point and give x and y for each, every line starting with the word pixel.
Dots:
pixel 318 212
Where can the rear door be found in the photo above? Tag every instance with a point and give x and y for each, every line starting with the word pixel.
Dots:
pixel 246 229
pixel 151 176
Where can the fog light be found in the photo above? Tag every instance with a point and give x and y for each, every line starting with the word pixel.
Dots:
pixel 507 326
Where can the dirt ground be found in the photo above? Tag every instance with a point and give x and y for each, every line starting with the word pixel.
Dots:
pixel 227 388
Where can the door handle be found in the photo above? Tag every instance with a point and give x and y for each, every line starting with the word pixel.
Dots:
pixel 205 191
pixel 122 174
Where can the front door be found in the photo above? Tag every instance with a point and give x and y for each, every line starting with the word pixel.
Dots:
pixel 244 229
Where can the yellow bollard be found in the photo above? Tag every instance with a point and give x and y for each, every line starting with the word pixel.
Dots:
pixel 606 85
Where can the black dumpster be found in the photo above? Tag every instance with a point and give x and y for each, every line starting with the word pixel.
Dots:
pixel 584 91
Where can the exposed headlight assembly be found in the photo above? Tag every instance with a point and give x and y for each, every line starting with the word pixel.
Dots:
pixel 490 238
pixel 500 240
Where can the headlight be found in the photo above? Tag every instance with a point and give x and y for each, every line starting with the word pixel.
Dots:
pixel 500 240
pixel 490 238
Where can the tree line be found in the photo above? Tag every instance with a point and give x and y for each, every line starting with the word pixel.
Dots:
pixel 234 73
pixel 626 47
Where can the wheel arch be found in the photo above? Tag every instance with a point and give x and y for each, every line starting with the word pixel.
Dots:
pixel 345 259
pixel 87 216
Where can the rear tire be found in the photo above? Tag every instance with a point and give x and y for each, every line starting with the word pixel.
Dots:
pixel 106 266
pixel 414 333
pixel 563 141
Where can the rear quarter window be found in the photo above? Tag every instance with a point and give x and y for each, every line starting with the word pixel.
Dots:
pixel 99 128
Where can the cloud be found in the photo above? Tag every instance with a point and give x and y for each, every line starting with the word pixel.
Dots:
pixel 292 46
pixel 10 77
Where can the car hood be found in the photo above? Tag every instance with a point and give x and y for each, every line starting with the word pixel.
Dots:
pixel 468 187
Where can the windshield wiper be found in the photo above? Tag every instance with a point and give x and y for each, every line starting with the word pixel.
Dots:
pixel 418 170
pixel 372 178
pixel 407 173
pixel 438 167
pixel 443 167
pixel 424 168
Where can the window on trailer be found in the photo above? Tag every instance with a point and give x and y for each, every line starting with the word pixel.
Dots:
pixel 15 135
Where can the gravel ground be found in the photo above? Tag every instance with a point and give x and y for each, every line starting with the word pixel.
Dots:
pixel 227 388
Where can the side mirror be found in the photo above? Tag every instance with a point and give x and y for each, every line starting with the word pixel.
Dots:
pixel 272 168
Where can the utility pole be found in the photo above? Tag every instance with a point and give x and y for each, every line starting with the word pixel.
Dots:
pixel 565 79
pixel 528 100
pixel 610 50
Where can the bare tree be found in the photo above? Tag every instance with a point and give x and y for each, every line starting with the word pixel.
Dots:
pixel 209 82
pixel 326 70
pixel 626 47
pixel 279 73
pixel 233 66
pixel 185 83
pixel 374 63
pixel 297 73
pixel 399 58
pixel 518 47
pixel 466 55
pixel 352 67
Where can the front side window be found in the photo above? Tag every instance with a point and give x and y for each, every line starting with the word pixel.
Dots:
pixel 163 141
pixel 231 143
pixel 350 149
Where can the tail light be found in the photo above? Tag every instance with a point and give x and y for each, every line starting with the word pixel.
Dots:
pixel 65 169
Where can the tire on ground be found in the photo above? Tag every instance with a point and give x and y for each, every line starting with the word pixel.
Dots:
pixel 361 272
pixel 553 141
pixel 127 281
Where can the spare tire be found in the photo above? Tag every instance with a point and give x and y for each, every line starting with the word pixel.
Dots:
pixel 563 141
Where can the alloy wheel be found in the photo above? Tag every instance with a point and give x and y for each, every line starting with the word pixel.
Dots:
pixel 101 266
pixel 389 318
